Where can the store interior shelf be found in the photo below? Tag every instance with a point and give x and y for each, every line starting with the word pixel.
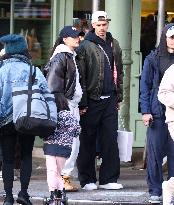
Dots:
pixel 32 3
pixel 26 19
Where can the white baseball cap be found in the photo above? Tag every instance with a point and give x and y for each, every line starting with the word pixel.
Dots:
pixel 99 16
pixel 170 31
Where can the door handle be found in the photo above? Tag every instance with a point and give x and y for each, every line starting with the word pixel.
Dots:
pixel 137 76
pixel 140 64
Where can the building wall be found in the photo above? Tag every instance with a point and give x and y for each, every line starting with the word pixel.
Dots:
pixel 49 16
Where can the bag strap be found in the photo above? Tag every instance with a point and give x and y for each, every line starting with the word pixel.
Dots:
pixel 105 55
pixel 1 63
pixel 31 81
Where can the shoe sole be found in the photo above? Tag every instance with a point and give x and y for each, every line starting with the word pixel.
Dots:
pixel 71 190
pixel 89 189
pixel 20 201
pixel 154 202
pixel 110 188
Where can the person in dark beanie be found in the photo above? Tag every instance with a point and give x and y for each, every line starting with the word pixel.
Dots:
pixel 14 71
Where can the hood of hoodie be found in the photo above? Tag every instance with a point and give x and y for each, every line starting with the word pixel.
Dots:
pixel 62 48
pixel 165 58
pixel 162 47
pixel 91 36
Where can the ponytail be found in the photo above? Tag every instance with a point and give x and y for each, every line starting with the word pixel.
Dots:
pixel 58 42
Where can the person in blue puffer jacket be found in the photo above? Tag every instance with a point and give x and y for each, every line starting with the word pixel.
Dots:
pixel 14 70
pixel 159 142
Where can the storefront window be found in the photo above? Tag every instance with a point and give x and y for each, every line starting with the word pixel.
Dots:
pixel 82 14
pixel 149 15
pixel 32 18
pixel 4 17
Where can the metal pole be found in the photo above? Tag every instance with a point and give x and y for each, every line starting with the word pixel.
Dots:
pixel 12 17
pixel 123 35
pixel 161 19
pixel 95 5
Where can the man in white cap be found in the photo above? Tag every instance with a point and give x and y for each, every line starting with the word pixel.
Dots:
pixel 100 65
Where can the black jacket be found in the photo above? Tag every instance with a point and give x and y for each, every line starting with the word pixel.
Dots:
pixel 91 67
pixel 61 77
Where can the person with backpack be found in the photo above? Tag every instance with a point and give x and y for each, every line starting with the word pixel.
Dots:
pixel 63 81
pixel 14 71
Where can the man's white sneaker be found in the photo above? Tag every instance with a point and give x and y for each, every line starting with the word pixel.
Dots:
pixel 90 186
pixel 111 186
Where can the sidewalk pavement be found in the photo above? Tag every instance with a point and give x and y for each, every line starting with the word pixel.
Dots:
pixel 132 177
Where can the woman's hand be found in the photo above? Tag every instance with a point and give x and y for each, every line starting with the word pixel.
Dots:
pixel 83 111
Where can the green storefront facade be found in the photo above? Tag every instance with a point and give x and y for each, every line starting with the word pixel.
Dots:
pixel 40 21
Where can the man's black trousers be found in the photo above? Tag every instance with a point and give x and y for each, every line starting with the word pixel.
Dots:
pixel 102 115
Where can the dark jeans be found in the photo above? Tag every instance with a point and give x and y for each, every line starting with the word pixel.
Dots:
pixel 0 148
pixel 159 144
pixel 0 156
pixel 8 142
pixel 100 115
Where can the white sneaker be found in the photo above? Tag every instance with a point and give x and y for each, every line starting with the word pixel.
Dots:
pixel 111 186
pixel 90 186
pixel 155 199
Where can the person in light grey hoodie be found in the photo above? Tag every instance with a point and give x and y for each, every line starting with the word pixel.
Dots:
pixel 166 88
pixel 166 97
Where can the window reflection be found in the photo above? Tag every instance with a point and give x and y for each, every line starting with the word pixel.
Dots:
pixel 33 20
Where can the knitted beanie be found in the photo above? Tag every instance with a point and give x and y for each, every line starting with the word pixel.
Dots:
pixel 14 43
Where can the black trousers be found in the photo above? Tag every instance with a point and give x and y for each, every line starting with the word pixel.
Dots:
pixel 8 143
pixel 0 157
pixel 101 115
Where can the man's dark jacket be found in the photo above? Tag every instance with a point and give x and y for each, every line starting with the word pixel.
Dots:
pixel 91 66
